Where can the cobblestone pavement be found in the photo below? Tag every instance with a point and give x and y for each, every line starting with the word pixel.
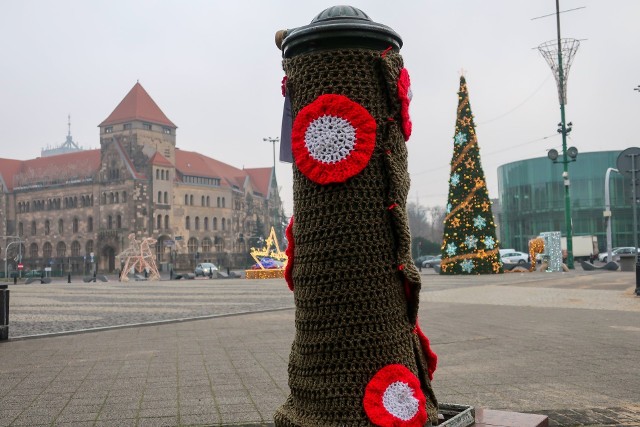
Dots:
pixel 566 345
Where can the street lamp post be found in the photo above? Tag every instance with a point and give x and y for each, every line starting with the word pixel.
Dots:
pixel 607 211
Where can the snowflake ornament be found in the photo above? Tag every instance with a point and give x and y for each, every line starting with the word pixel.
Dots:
pixel 489 242
pixel 460 138
pixel 449 207
pixel 479 222
pixel 471 241
pixel 451 249
pixel 467 265
pixel 455 179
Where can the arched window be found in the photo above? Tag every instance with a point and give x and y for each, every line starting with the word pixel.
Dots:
pixel 166 222
pixel 75 248
pixel 75 225
pixel 197 223
pixel 61 250
pixel 46 250
pixel 224 222
pixel 111 198
pixel 208 201
pixel 157 173
pixel 88 247
pixel 90 223
pixel 202 201
pixel 47 227
pixel 75 201
pixel 191 200
pixel 60 226
pixel 186 199
pixel 187 223
pixel 206 223
pixel 20 229
pixel 33 250
pixel 223 202
pixel 215 223
pixel 119 221
pixel 159 196
pixel 117 197
pixel 218 202
pixel 104 198
pixel 124 197
pixel 33 228
pixel 193 245
pixel 206 244
pixel 159 222
pixel 166 197
pixel 109 222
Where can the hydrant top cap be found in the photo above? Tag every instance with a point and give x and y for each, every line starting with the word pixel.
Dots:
pixel 339 27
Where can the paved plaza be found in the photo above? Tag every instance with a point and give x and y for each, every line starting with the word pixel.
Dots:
pixel 566 345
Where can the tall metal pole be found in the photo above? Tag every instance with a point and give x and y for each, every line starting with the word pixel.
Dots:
pixel 565 160
pixel 275 208
pixel 634 203
pixel 607 211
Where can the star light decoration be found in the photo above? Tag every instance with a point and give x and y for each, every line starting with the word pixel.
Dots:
pixel 467 265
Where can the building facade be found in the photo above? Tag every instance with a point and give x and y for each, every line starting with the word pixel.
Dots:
pixel 532 200
pixel 75 211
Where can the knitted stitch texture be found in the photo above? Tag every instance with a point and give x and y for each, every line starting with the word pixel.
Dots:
pixel 355 285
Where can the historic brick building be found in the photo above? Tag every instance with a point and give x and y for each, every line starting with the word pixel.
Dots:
pixel 68 206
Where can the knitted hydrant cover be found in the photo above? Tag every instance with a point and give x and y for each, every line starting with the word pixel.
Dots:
pixel 358 357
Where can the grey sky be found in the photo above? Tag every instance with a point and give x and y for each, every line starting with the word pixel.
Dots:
pixel 213 68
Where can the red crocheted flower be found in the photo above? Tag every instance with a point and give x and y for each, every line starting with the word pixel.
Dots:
pixel 288 270
pixel 432 358
pixel 333 139
pixel 405 95
pixel 393 398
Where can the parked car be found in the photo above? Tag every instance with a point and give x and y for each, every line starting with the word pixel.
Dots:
pixel 205 269
pixel 427 259
pixel 514 257
pixel 421 259
pixel 33 273
pixel 616 252
pixel 434 261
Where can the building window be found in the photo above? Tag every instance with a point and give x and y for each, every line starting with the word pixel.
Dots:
pixel 109 222
pixel 108 129
pixel 202 201
pixel 89 247
pixel 33 228
pixel 47 227
pixel 197 223
pixel 159 222
pixel 60 226
pixel 208 201
pixel 75 248
pixel 166 198
pixel 186 199
pixel 33 250
pixel 111 198
pixel 166 222
pixel 224 222
pixel 20 229
pixel 117 197
pixel 157 173
pixel 46 250
pixel 166 130
pixel 90 223
pixel 61 250
pixel 126 126
pixel 206 245
pixel 223 202
pixel 75 225
pixel 191 200
pixel 124 197
pixel 119 221
pixel 146 126
pixel 206 223
pixel 159 196
pixel 193 245
pixel 218 201
pixel 187 223
pixel 215 223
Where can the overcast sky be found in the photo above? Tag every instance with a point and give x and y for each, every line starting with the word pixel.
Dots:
pixel 213 68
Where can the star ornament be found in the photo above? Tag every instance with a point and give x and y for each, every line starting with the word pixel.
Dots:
pixel 460 138
pixel 485 207
pixel 455 222
pixel 467 265
pixel 496 267
pixel 470 163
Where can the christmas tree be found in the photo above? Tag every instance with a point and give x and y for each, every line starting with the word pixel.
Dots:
pixel 469 245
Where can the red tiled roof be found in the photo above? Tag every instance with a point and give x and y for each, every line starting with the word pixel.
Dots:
pixel 69 165
pixel 137 105
pixel 195 164
pixel 159 160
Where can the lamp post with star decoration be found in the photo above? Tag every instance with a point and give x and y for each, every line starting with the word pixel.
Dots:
pixel 469 244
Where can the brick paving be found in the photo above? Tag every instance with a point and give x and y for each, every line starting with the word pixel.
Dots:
pixel 566 345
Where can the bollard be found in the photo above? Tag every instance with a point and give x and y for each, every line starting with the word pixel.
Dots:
pixel 69 278
pixel 4 312
pixel 638 279
pixel 15 279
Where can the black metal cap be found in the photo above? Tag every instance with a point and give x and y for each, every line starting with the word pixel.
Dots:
pixel 339 27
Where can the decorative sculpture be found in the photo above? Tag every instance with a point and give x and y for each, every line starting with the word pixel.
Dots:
pixel 358 356
pixel 268 251
pixel 139 257
pixel 536 246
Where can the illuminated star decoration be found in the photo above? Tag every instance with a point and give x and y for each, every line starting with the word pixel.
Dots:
pixel 489 242
pixel 460 138
pixel 470 163
pixel 467 265
pixel 455 179
pixel 448 207
pixel 485 206
pixel 455 222
pixel 471 241
pixel 451 249
pixel 479 222
pixel 496 267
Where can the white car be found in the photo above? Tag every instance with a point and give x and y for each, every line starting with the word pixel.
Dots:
pixel 616 252
pixel 514 257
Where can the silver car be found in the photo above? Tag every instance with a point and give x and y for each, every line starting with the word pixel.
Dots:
pixel 205 269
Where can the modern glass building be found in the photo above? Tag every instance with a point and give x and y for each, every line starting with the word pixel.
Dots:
pixel 532 200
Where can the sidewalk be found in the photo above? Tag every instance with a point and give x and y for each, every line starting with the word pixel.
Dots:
pixel 564 345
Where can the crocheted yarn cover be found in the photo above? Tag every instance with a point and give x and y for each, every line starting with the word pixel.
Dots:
pixel 355 285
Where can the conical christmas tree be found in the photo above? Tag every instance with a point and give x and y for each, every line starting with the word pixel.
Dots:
pixel 469 244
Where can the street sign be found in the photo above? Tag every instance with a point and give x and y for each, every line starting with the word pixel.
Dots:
pixel 47 269
pixel 169 242
pixel 629 160
pixel 177 238
pixel 20 266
